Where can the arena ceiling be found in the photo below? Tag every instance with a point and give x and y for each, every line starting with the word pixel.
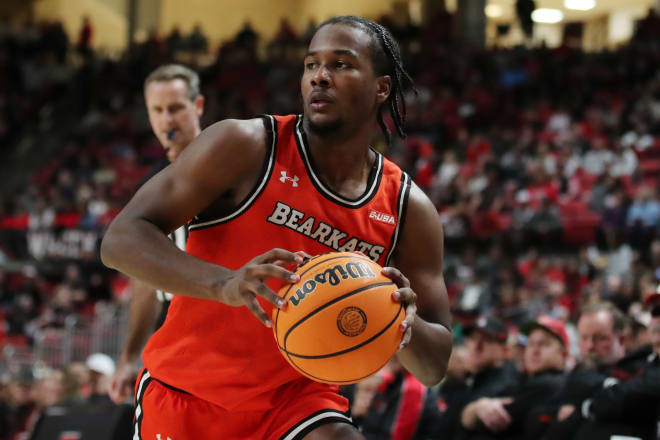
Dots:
pixel 506 8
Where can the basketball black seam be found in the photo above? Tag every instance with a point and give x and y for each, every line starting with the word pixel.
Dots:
pixel 338 382
pixel 347 350
pixel 277 314
pixel 328 304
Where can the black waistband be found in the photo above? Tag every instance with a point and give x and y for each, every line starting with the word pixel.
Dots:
pixel 166 385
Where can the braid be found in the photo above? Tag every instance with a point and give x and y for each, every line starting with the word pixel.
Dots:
pixel 386 58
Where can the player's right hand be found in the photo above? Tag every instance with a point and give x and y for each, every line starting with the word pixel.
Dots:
pixel 121 387
pixel 247 283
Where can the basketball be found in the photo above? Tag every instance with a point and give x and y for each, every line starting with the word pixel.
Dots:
pixel 341 324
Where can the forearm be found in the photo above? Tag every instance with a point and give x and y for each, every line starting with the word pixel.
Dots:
pixel 140 250
pixel 427 354
pixel 144 308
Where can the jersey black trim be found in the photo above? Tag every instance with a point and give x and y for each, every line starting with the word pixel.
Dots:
pixel 373 182
pixel 313 421
pixel 166 385
pixel 248 201
pixel 402 208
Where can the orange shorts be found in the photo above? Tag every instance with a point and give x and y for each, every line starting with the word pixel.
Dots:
pixel 163 412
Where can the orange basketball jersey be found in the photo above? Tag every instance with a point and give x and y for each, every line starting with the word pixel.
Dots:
pixel 224 354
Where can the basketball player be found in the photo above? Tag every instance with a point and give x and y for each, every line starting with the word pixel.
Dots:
pixel 174 105
pixel 254 191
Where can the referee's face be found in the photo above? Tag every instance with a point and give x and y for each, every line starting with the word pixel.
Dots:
pixel 173 116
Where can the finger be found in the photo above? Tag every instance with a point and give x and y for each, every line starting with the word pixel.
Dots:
pixel 117 391
pixel 262 290
pixel 112 392
pixel 278 254
pixel 404 295
pixel 503 417
pixel 406 338
pixel 491 423
pixel 267 271
pixel 395 275
pixel 411 312
pixel 489 419
pixel 253 305
pixel 304 255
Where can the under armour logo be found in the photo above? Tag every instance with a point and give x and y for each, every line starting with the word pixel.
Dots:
pixel 294 179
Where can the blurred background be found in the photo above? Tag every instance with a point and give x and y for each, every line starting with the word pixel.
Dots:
pixel 536 133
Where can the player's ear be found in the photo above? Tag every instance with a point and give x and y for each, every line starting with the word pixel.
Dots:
pixel 383 88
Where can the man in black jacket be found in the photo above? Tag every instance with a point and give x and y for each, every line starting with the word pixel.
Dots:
pixel 600 332
pixel 490 374
pixel 629 407
pixel 504 416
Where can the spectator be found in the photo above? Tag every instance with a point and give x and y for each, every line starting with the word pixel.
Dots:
pixel 17 408
pixel 626 408
pixel 197 40
pixel 600 340
pixel 490 373
pixel 85 37
pixel 505 415
pixel 643 218
pixel 101 368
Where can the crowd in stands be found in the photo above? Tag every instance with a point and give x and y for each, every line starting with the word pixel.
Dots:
pixel 544 165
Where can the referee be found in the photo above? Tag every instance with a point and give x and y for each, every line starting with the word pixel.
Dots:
pixel 175 106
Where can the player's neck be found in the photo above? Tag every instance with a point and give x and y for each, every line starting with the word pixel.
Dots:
pixel 342 159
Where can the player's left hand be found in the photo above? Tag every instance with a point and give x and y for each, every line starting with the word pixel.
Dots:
pixel 405 295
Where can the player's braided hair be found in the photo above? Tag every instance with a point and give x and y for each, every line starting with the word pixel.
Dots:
pixel 386 59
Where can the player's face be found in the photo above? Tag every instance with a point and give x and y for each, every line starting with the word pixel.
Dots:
pixel 174 117
pixel 339 86
pixel 543 352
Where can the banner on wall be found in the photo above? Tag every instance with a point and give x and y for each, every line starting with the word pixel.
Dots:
pixel 63 243
pixel 64 236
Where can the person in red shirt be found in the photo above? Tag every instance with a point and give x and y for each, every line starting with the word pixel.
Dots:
pixel 254 192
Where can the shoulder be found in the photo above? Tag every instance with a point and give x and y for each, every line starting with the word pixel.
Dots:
pixel 421 243
pixel 237 134
pixel 229 145
pixel 152 172
pixel 422 220
pixel 419 203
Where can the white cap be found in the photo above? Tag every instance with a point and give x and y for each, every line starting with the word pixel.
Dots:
pixel 101 363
